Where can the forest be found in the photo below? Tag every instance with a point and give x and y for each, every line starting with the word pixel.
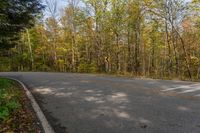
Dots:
pixel 143 38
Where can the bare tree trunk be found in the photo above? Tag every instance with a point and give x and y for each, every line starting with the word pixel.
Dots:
pixel 118 53
pixel 30 49
pixel 73 53
pixel 175 54
pixel 185 53
pixel 169 49
pixel 128 53
pixel 137 47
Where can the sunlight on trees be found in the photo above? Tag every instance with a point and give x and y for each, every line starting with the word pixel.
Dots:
pixel 153 38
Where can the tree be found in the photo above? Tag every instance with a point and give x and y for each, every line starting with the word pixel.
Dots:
pixel 154 38
pixel 16 15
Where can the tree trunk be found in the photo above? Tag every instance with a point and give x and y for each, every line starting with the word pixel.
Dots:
pixel 30 49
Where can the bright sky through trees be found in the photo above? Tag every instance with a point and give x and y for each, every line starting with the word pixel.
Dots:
pixel 63 3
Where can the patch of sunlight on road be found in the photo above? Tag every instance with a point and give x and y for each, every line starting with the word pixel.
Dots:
pixel 44 91
pixel 145 121
pixel 118 97
pixel 61 94
pixel 191 90
pixel 121 114
pixel 182 108
pixel 183 87
pixel 92 99
pixel 89 91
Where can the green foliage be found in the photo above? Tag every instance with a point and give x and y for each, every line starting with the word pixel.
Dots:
pixel 9 98
pixel 15 113
pixel 4 63
pixel 144 38
pixel 4 112
pixel 16 15
pixel 43 67
pixel 87 68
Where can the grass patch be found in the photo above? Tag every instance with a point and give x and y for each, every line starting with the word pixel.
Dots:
pixel 16 114
pixel 9 98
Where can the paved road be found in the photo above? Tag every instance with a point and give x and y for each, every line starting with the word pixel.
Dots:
pixel 83 103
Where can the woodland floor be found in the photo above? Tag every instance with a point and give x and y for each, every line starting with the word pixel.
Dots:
pixel 16 112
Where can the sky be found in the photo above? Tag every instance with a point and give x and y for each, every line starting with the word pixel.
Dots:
pixel 63 3
pixel 60 6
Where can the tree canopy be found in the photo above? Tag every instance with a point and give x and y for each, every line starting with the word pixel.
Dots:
pixel 152 38
pixel 16 15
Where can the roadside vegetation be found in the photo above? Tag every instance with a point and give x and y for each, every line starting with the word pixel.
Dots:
pixel 16 115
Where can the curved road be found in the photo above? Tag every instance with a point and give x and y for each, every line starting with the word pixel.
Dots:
pixel 84 103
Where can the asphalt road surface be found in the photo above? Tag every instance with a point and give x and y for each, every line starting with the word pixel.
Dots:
pixel 84 103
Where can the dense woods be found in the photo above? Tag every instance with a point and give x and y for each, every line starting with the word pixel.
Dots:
pixel 152 38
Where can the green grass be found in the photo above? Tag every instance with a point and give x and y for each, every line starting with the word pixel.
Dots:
pixel 16 114
pixel 9 98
